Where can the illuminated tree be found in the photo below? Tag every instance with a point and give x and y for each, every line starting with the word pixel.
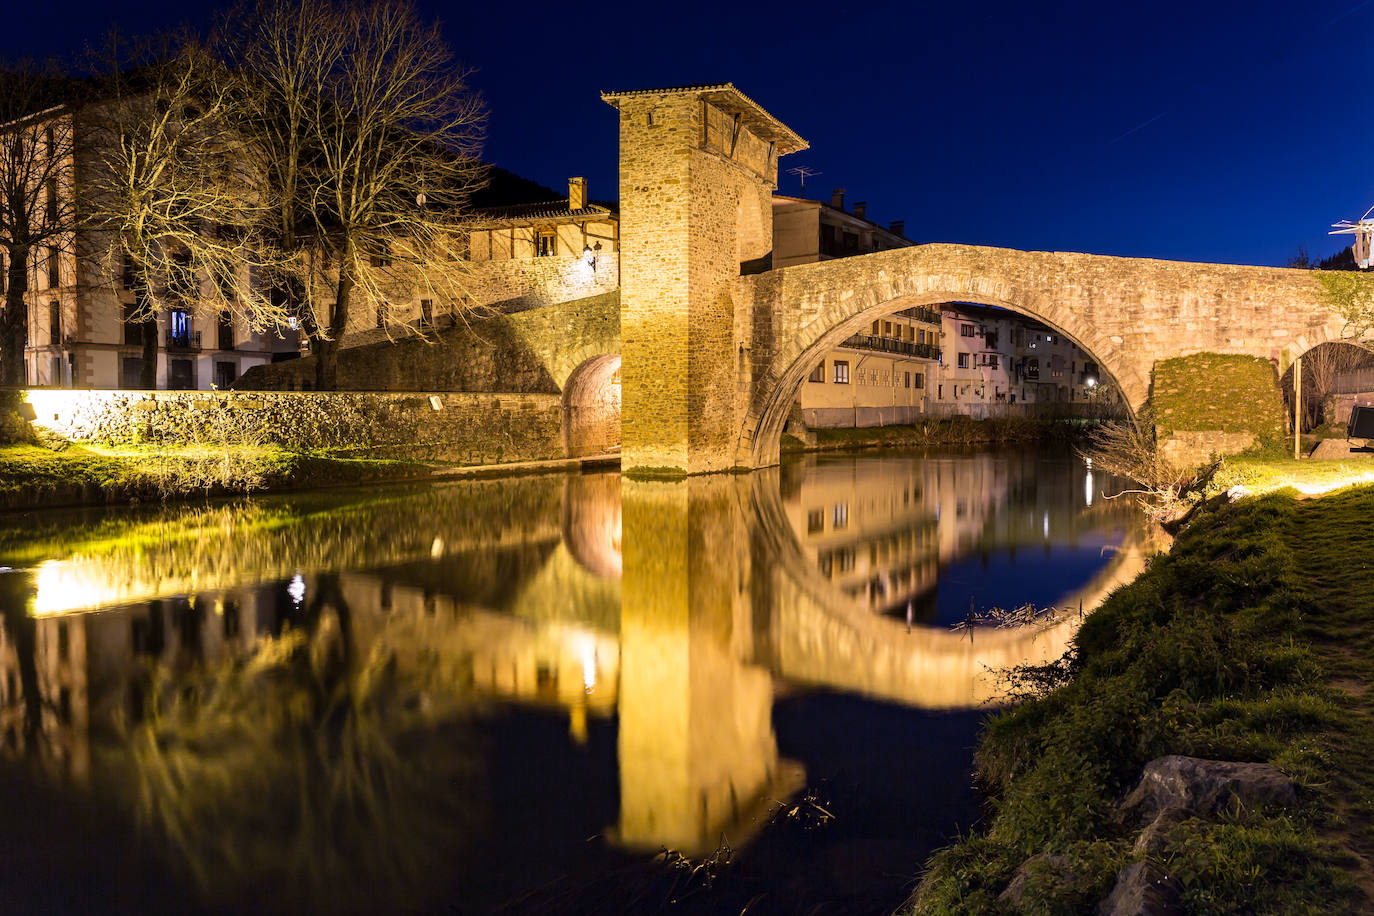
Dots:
pixel 368 136
pixel 170 204
pixel 36 213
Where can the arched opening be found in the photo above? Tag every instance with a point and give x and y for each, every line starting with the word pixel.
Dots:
pixel 591 407
pixel 794 365
pixel 1336 375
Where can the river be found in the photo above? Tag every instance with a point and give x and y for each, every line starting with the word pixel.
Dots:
pixel 548 694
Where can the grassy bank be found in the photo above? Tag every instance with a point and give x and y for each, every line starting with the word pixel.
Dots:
pixel 950 432
pixel 1253 640
pixel 36 477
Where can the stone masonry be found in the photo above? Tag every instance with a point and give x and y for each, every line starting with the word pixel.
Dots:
pixel 697 170
pixel 1129 313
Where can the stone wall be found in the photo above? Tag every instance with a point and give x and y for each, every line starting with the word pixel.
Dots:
pixel 533 350
pixel 444 426
pixel 1337 409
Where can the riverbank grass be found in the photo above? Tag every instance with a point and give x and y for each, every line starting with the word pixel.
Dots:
pixel 35 477
pixel 1253 640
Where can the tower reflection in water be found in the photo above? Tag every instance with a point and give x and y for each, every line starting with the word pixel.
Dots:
pixel 667 611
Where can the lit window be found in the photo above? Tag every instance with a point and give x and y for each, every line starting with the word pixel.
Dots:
pixel 841 372
pixel 840 516
pixel 545 243
pixel 965 330
pixel 963 360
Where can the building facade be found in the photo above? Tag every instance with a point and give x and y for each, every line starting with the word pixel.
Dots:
pixel 998 363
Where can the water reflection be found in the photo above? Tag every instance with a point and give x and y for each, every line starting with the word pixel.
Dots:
pixel 291 693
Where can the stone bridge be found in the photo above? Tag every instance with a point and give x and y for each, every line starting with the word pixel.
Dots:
pixel 714 351
pixel 1128 313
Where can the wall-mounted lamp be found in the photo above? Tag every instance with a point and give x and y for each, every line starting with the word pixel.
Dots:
pixel 590 254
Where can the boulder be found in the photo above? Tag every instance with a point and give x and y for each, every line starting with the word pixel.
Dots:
pixel 1153 839
pixel 1204 787
pixel 1142 889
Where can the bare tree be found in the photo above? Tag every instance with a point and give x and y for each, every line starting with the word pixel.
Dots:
pixel 36 214
pixel 369 136
pixel 171 203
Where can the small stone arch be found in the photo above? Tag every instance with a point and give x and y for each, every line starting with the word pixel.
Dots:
pixel 769 409
pixel 591 407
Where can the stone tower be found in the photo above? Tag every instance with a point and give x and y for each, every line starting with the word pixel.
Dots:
pixel 698 166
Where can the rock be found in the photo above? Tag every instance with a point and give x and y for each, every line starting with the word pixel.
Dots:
pixel 1152 839
pixel 1015 893
pixel 1142 889
pixel 1339 449
pixel 1205 787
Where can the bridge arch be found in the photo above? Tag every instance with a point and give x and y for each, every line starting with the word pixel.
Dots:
pixel 591 407
pixel 1126 313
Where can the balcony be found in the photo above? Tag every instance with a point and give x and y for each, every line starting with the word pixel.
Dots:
pixel 189 340
pixel 928 316
pixel 890 345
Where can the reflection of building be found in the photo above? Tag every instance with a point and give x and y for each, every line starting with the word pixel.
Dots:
pixel 873 534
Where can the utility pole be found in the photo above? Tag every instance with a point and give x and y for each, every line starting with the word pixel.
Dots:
pixel 1297 407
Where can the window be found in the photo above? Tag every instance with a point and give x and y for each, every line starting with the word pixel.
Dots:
pixel 887 329
pixel 920 380
pixel 840 516
pixel 988 359
pixel 51 191
pixel 545 243
pixel 133 328
pixel 382 259
pixel 130 372
pixel 818 373
pixel 1032 368
pixel 965 330
pixel 179 329
pixel 841 372
pixel 815 521
pixel 225 328
pixel 990 340
pixel 876 325
pixel 963 360
pixel 54 277
pixel 908 380
pixel 55 323
pixel 940 392
pixel 225 373
pixel 50 141
pixel 426 313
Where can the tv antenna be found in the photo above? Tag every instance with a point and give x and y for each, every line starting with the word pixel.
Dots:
pixel 803 172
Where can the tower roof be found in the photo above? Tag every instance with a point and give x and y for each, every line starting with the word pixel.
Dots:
pixel 726 97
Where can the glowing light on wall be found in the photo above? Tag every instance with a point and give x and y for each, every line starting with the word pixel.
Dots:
pixel 1088 488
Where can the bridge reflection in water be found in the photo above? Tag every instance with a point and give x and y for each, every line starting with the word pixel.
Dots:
pixel 668 608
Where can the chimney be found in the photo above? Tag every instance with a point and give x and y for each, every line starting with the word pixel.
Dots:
pixel 837 198
pixel 861 209
pixel 577 193
pixel 898 227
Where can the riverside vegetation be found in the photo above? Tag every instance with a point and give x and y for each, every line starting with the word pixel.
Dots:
pixel 1252 640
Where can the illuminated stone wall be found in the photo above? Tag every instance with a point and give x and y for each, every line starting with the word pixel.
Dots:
pixel 534 350
pixel 445 426
pixel 697 169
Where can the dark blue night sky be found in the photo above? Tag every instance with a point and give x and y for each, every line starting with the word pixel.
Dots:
pixel 1191 131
